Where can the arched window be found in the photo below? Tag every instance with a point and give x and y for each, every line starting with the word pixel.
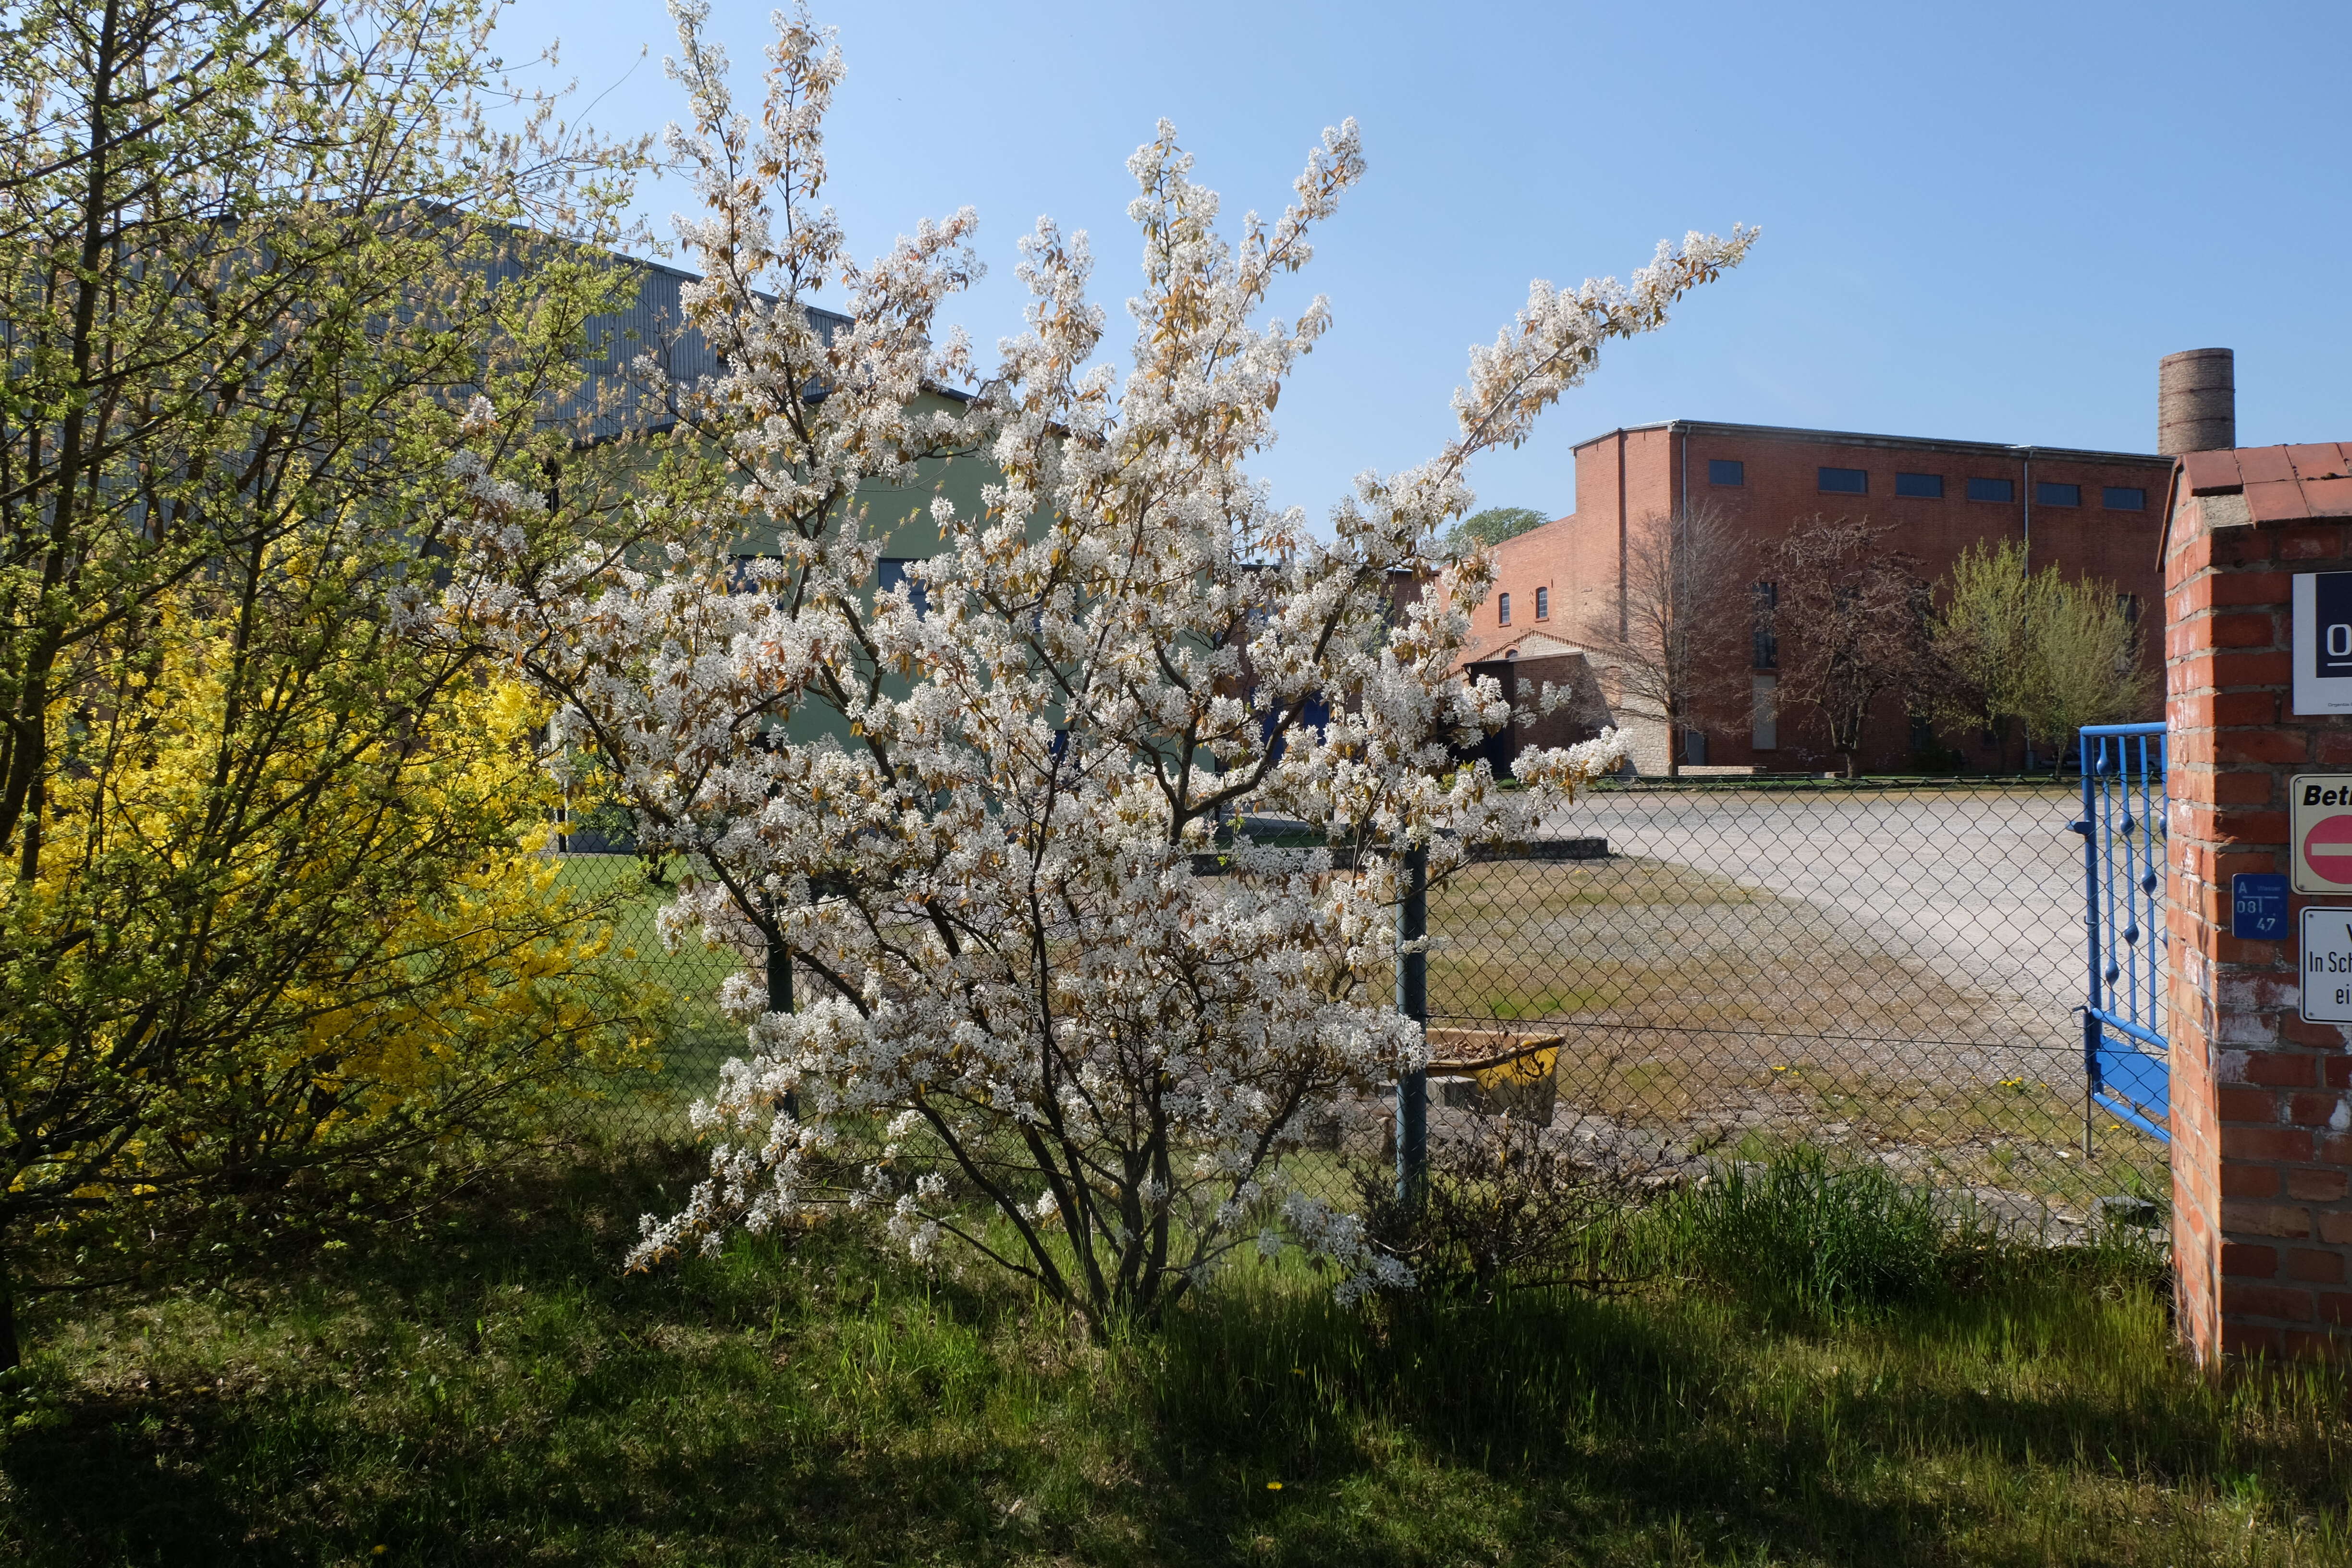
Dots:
pixel 1543 604
pixel 1503 609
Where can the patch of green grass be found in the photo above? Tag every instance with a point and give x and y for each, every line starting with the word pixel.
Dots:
pixel 1799 1235
pixel 1541 1003
pixel 502 1393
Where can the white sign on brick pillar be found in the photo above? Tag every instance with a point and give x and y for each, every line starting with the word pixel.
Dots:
pixel 2326 966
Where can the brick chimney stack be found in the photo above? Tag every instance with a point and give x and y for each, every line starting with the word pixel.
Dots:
pixel 2196 402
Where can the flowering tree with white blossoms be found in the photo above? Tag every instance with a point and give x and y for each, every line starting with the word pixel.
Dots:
pixel 1026 1020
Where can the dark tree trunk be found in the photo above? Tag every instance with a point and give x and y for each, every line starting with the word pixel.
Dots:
pixel 9 1356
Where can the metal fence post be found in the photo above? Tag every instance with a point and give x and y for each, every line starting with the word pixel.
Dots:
pixel 779 1000
pixel 1412 1001
pixel 2089 828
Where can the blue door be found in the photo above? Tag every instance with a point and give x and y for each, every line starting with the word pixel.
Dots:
pixel 2122 830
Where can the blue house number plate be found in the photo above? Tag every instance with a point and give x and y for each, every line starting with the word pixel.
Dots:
pixel 2258 907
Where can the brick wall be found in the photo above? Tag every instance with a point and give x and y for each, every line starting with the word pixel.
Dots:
pixel 2261 1149
pixel 1627 477
pixel 1537 560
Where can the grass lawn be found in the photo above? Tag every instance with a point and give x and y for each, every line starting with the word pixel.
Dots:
pixel 500 1394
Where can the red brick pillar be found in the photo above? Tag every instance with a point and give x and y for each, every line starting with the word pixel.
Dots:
pixel 2261 1150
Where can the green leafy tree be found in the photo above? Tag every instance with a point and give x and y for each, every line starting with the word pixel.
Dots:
pixel 1982 636
pixel 1490 528
pixel 2088 657
pixel 2034 649
pixel 261 260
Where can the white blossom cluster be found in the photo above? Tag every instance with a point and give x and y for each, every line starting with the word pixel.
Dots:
pixel 978 817
pixel 1341 1241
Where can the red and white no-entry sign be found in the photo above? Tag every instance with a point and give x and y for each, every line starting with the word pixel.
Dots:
pixel 2327 850
pixel 2321 820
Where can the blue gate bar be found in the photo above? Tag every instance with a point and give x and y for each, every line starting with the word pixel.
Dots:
pixel 2125 1065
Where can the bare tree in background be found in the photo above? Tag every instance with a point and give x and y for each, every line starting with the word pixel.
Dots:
pixel 1852 624
pixel 1675 641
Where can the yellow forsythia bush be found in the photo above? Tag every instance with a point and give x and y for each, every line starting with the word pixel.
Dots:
pixel 287 950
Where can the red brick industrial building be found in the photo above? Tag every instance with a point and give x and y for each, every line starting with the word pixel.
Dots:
pixel 2095 513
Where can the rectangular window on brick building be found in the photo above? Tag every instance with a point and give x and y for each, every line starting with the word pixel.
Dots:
pixel 1846 482
pixel 1768 641
pixel 1764 713
pixel 1543 604
pixel 1502 609
pixel 1726 471
pixel 2003 490
pixel 2124 498
pixel 2047 494
pixel 1927 487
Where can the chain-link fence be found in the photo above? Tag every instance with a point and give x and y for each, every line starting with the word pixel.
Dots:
pixel 1894 969
pixel 676 995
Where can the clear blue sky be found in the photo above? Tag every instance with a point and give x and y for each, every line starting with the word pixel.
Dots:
pixel 1981 221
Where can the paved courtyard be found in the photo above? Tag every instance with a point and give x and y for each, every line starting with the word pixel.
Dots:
pixel 1895 967
pixel 1984 887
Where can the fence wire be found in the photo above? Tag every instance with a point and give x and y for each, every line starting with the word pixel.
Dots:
pixel 674 993
pixel 1892 969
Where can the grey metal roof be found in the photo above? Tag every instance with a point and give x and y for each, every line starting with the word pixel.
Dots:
pixel 654 325
pixel 1895 443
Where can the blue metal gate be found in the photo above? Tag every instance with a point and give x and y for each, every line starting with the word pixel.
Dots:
pixel 2122 830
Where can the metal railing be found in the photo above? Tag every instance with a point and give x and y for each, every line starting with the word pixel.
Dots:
pixel 2123 829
